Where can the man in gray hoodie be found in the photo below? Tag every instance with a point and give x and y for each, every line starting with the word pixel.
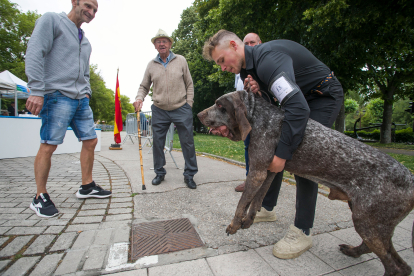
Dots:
pixel 57 66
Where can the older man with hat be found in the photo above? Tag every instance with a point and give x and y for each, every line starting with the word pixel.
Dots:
pixel 173 95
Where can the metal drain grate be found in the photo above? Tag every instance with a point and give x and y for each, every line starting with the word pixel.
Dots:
pixel 162 237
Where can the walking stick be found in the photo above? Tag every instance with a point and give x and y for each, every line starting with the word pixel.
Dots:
pixel 140 150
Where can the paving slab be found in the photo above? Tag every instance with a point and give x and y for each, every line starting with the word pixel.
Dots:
pixel 114 211
pixel 4 230
pixel 198 267
pixel 95 257
pixel 402 237
pixel 103 236
pixel 3 264
pixel 40 244
pixel 82 227
pixel 118 217
pixel 26 230
pixel 370 268
pixel 84 240
pixel 138 272
pixel 15 246
pixel 91 213
pixel 14 223
pixel 64 241
pixel 306 264
pixel 240 264
pixel 122 234
pixel 54 230
pixel 21 266
pixel 71 262
pixel 89 219
pixel 325 247
pixel 47 265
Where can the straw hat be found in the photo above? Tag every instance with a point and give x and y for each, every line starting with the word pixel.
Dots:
pixel 159 34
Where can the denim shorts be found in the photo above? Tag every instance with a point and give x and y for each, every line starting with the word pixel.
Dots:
pixel 59 112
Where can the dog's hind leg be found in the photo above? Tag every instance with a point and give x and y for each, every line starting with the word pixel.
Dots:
pixel 394 265
pixel 354 251
pixel 256 203
pixel 376 236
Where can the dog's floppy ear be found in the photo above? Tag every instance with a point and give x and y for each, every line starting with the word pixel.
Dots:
pixel 240 113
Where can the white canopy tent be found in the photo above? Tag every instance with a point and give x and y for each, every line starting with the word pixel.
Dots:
pixel 12 87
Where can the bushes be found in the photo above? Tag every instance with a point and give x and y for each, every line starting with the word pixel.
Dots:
pixel 401 136
pixel 404 135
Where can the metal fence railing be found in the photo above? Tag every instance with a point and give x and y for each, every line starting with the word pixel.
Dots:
pixel 169 141
pixel 105 127
pixel 131 126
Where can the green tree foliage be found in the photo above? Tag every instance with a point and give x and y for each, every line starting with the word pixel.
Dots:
pixel 103 99
pixel 400 116
pixel 189 39
pixel 369 43
pixel 374 111
pixel 350 106
pixel 15 29
pixel 376 36
pixel 102 102
pixel 127 107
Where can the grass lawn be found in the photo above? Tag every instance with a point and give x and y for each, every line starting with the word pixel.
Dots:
pixel 392 146
pixel 224 147
pixel 216 145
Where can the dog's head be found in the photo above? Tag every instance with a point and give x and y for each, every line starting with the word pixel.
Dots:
pixel 227 117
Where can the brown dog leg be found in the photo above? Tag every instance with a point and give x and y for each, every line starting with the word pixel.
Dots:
pixel 376 237
pixel 254 181
pixel 256 203
pixel 354 251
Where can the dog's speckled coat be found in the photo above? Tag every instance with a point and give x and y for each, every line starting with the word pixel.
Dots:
pixel 379 189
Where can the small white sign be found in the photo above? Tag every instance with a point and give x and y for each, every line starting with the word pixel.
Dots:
pixel 281 88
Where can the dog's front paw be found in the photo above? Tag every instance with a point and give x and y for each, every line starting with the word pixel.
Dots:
pixel 232 228
pixel 247 221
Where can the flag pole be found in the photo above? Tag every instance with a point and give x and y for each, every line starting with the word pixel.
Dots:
pixel 117 125
pixel 140 149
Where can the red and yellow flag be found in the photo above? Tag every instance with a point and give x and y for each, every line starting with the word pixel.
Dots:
pixel 118 113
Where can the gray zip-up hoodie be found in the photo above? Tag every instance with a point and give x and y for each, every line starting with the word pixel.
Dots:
pixel 55 60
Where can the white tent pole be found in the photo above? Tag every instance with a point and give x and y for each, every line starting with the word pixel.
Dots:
pixel 15 102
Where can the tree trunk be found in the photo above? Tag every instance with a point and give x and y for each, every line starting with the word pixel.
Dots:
pixel 387 117
pixel 340 120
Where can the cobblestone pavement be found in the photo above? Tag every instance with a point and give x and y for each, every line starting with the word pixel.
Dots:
pixel 78 239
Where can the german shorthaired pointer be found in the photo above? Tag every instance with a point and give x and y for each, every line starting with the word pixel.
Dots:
pixel 379 189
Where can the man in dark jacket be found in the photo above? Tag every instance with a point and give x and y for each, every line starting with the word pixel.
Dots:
pixel 305 88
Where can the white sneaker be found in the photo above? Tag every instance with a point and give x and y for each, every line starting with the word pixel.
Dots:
pixel 265 215
pixel 293 244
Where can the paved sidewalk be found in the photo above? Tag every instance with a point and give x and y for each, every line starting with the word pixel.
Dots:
pixel 80 237
pixel 91 237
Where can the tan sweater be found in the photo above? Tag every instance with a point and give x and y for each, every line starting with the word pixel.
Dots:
pixel 172 86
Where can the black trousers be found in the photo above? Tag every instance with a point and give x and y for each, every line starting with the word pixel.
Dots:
pixel 323 109
pixel 182 117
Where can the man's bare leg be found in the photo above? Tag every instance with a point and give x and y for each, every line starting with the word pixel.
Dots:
pixel 87 157
pixel 89 188
pixel 42 166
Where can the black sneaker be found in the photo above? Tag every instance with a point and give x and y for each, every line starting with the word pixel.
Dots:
pixel 44 207
pixel 96 191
